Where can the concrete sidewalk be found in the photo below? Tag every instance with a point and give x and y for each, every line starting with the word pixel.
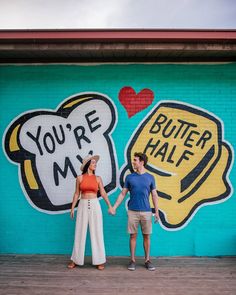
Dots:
pixel 48 274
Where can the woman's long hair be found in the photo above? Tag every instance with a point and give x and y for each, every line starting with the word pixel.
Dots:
pixel 86 166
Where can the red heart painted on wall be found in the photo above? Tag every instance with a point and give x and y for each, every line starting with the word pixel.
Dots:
pixel 134 103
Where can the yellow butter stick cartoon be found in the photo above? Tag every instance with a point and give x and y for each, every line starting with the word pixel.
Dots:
pixel 187 156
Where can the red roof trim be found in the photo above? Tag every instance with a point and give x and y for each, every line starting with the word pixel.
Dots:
pixel 118 35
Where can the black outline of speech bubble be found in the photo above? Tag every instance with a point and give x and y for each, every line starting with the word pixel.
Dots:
pixel 39 196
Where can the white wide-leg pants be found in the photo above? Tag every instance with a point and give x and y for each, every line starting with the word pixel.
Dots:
pixel 89 213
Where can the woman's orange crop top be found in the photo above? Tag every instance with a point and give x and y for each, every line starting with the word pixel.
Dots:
pixel 89 184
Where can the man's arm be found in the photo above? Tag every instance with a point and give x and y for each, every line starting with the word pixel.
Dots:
pixel 120 199
pixel 155 203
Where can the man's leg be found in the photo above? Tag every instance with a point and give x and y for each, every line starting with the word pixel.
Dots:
pixel 132 244
pixel 146 246
pixel 133 222
pixel 146 224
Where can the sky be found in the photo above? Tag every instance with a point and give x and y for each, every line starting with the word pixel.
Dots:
pixel 108 14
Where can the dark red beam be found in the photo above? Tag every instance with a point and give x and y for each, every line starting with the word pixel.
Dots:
pixel 130 35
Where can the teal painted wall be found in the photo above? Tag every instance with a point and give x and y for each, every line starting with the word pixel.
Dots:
pixel 25 230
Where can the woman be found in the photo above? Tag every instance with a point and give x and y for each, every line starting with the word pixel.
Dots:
pixel 89 213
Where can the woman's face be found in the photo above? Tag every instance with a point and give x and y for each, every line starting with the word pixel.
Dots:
pixel 93 165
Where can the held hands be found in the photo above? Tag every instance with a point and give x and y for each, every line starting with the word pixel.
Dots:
pixel 112 210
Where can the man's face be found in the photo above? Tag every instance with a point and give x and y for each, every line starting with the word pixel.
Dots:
pixel 137 163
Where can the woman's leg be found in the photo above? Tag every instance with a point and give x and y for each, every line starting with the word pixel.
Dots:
pixel 80 233
pixel 96 233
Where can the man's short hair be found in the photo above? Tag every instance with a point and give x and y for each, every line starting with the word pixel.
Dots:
pixel 142 157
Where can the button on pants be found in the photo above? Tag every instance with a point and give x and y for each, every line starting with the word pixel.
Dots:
pixel 89 213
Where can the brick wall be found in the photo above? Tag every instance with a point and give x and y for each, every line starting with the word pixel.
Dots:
pixel 182 115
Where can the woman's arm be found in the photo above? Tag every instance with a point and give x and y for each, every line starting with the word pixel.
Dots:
pixel 103 192
pixel 76 196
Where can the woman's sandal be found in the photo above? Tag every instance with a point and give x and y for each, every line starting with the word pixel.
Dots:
pixel 101 267
pixel 71 265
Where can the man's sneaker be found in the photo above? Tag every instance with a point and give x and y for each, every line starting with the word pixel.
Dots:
pixel 131 265
pixel 149 265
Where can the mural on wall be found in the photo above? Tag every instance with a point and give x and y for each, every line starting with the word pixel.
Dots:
pixel 188 157
pixel 49 147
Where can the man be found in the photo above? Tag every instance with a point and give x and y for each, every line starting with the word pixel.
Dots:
pixel 139 184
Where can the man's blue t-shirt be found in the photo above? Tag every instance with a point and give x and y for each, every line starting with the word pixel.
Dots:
pixel 139 186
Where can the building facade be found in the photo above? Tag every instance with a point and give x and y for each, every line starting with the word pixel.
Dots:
pixel 170 94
